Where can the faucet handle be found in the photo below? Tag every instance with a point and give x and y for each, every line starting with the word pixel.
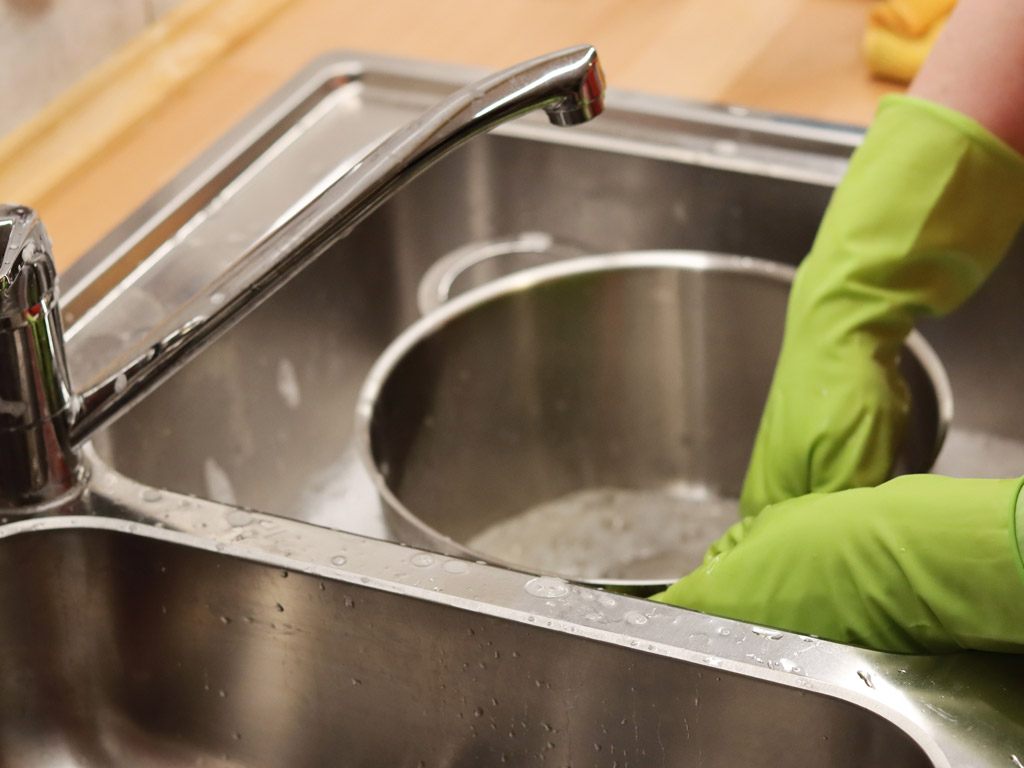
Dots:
pixel 36 400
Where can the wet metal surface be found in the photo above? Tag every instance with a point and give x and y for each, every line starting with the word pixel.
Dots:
pixel 153 626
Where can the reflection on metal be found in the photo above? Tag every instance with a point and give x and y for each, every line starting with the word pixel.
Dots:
pixel 643 372
pixel 37 462
pixel 567 85
pixel 145 625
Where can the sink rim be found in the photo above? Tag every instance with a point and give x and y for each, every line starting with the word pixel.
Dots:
pixel 892 687
pixel 405 520
pixel 116 505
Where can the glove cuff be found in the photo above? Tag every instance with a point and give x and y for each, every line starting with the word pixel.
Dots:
pixel 929 205
pixel 1000 152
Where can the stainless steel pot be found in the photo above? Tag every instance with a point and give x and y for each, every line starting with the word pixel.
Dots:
pixel 634 381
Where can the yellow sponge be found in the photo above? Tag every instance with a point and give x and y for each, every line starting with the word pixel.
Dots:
pixel 910 18
pixel 898 57
pixel 900 34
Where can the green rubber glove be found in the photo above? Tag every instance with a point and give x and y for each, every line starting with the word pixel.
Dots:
pixel 929 205
pixel 922 563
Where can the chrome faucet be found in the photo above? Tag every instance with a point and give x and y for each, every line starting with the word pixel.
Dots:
pixel 38 465
pixel 42 420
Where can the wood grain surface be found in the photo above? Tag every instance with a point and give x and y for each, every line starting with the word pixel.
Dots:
pixel 799 57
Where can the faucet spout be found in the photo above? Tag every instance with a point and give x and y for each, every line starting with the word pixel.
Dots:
pixel 568 85
pixel 585 99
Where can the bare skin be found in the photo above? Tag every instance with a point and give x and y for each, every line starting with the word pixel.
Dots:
pixel 977 67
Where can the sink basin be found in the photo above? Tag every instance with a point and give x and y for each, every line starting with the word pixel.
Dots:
pixel 196 616
pixel 264 417
pixel 155 649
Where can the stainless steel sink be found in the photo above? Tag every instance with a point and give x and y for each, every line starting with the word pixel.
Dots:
pixel 264 417
pixel 178 624
pixel 125 644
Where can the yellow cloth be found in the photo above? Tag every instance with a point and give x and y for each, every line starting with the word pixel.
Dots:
pixel 910 18
pixel 900 34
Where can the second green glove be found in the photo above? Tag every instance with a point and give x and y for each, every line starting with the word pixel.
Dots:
pixel 922 563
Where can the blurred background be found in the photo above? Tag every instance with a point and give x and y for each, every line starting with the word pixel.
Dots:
pixel 110 98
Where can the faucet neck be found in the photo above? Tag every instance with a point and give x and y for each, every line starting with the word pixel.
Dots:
pixel 41 420
pixel 39 466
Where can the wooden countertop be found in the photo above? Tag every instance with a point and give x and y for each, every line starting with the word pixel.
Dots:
pixel 794 56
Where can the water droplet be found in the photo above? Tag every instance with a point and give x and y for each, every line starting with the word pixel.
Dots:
pixel 607 601
pixel 771 634
pixel 236 736
pixel 787 665
pixel 422 560
pixel 724 631
pixel 478 712
pixel 225 619
pixel 546 586
pixel 151 494
pixel 455 566
pixel 120 383
pixel 866 677
pixel 280 608
pixel 238 518
pixel 636 618
pixel 216 298
pixel 339 560
pixel 356 681
pixel 222 693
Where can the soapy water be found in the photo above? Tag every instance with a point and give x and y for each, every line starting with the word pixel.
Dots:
pixel 613 533
pixel 968 453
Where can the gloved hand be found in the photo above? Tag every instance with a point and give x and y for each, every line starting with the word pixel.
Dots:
pixel 922 563
pixel 930 203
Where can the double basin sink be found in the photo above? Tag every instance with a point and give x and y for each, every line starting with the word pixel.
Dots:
pixel 232 597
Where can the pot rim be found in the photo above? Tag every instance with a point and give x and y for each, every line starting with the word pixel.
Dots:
pixel 531 277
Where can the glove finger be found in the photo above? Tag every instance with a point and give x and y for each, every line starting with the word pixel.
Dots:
pixel 920 564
